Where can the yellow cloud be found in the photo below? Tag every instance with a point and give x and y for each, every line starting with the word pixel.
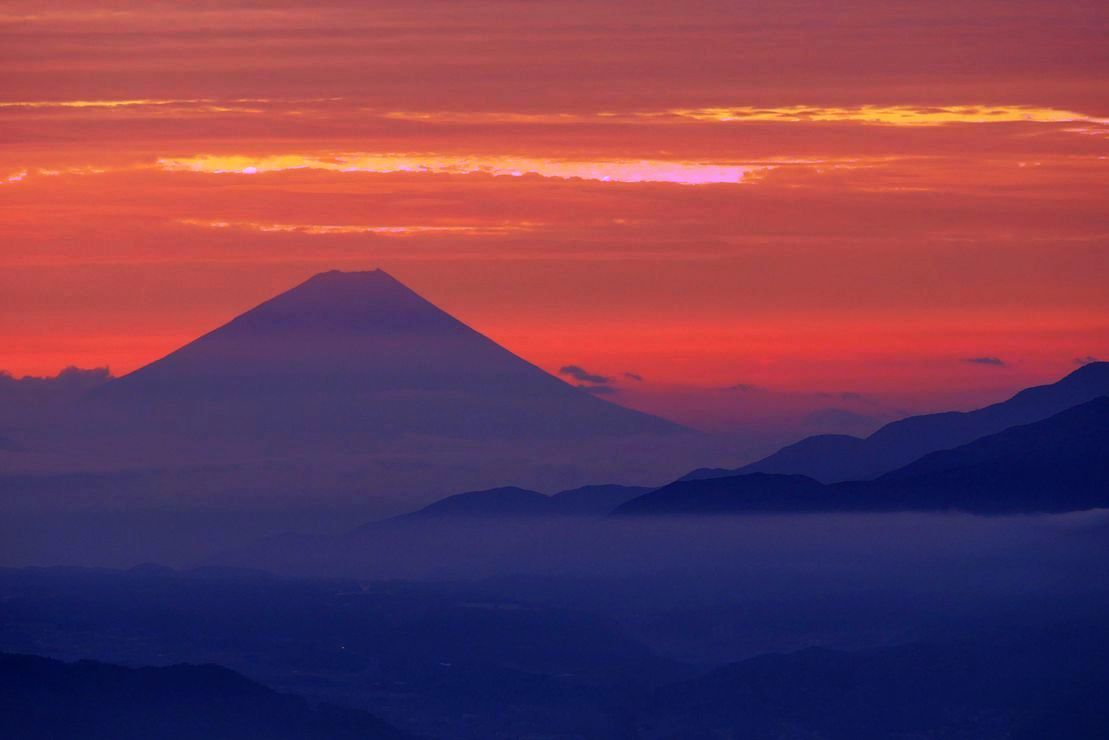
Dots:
pixel 884 115
pixel 892 115
pixel 895 115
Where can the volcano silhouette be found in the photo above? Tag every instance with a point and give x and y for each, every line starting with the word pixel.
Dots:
pixel 348 357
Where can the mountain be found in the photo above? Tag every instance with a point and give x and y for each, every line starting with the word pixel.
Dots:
pixel 511 501
pixel 1058 464
pixel 488 530
pixel 343 400
pixel 1047 683
pixel 441 659
pixel 508 501
pixel 351 359
pixel 43 698
pixel 596 500
pixel 826 457
pixel 747 493
pixel 835 457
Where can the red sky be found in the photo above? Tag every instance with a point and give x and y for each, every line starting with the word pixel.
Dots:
pixel 791 200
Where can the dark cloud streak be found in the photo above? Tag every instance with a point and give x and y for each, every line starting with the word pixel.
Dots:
pixel 582 375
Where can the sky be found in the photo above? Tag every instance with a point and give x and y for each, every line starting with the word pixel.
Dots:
pixel 723 212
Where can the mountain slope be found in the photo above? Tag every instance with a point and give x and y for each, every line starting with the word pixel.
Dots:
pixel 1057 464
pixel 348 358
pixel 748 493
pixel 495 502
pixel 596 500
pixel 43 698
pixel 832 458
pixel 511 501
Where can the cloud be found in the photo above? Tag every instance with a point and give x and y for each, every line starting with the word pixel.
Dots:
pixel 633 376
pixel 378 230
pixel 894 115
pixel 602 170
pixel 1086 360
pixel 993 361
pixel 29 395
pixel 71 378
pixel 582 375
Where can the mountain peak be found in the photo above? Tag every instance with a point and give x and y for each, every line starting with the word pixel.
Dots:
pixel 363 302
pixel 376 279
pixel 1090 372
pixel 350 277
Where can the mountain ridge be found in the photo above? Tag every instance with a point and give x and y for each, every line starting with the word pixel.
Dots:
pixel 837 458
pixel 46 698
pixel 1054 465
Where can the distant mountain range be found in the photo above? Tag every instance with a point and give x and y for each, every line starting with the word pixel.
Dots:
pixel 1057 464
pixel 1060 463
pixel 835 457
pixel 44 699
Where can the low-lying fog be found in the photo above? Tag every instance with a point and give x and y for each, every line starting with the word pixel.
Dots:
pixel 948 553
pixel 703 590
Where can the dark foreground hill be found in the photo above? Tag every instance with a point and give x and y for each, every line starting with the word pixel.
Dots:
pixel 832 458
pixel 1050 684
pixel 440 660
pixel 43 698
pixel 1055 465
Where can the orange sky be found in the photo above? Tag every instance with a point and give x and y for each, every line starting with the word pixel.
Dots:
pixel 803 199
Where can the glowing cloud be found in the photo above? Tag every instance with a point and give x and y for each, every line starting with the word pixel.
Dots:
pixel 326 229
pixel 884 115
pixel 94 103
pixel 628 171
pixel 207 103
pixel 889 115
pixel 22 175
pixel 894 115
